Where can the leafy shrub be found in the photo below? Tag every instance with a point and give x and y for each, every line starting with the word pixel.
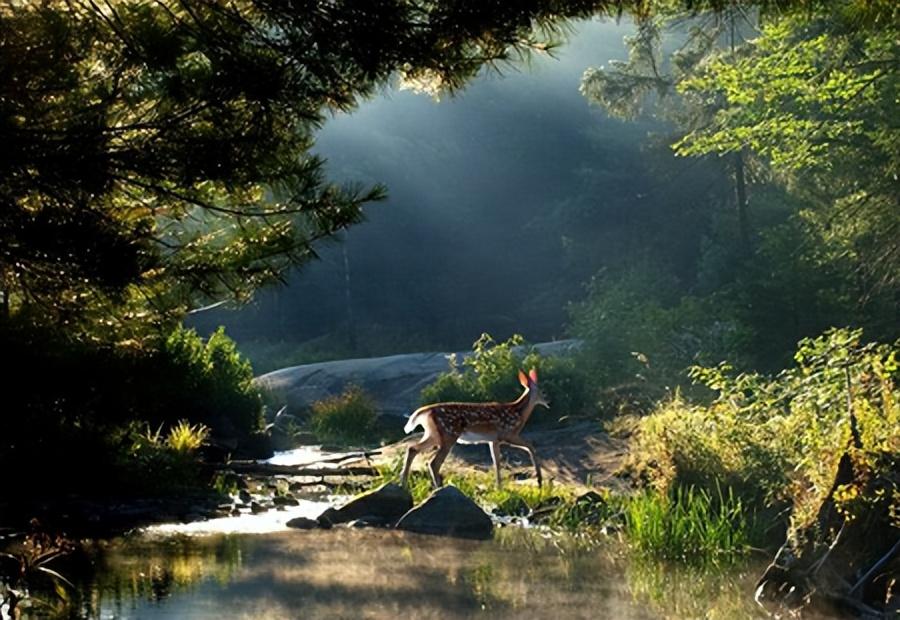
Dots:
pixel 210 381
pixel 777 439
pixel 637 328
pixel 347 418
pixel 90 396
pixel 490 374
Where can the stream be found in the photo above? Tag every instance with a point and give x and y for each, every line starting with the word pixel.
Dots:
pixel 348 573
pixel 253 566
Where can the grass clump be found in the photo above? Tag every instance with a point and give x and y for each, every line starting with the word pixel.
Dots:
pixel 689 525
pixel 348 418
pixel 164 461
pixel 185 437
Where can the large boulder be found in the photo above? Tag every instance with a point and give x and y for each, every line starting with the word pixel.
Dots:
pixel 385 504
pixel 448 512
pixel 395 381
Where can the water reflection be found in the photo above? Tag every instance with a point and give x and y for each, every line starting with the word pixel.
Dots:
pixel 349 573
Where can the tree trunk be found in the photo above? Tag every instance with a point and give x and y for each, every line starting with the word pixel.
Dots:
pixel 348 299
pixel 740 196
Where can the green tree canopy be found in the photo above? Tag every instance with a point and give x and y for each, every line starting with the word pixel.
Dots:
pixel 818 100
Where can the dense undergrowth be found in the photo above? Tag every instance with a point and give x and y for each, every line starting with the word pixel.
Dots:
pixel 776 441
pixel 131 415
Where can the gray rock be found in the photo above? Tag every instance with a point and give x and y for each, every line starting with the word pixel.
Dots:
pixel 395 382
pixel 388 502
pixel 245 496
pixel 257 508
pixel 325 519
pixel 302 523
pixel 448 512
pixel 285 500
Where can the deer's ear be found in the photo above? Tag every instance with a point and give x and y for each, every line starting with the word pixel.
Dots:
pixel 533 375
pixel 523 379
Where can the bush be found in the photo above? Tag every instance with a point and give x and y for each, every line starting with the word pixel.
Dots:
pixel 208 382
pixel 89 395
pixel 778 439
pixel 347 419
pixel 490 374
pixel 637 328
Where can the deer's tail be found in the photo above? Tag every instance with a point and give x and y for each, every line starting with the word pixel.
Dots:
pixel 415 420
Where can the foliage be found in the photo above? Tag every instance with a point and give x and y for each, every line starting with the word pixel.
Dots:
pixel 213 381
pixel 798 108
pixel 690 525
pixel 76 405
pixel 635 328
pixel 778 439
pixel 348 418
pixel 27 569
pixel 816 98
pixel 490 374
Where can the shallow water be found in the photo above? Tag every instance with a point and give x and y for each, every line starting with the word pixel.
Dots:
pixel 246 523
pixel 347 573
pixel 253 566
pixel 306 455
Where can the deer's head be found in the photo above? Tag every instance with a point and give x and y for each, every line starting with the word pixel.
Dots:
pixel 530 383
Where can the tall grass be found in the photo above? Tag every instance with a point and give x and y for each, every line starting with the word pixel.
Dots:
pixel 348 418
pixel 690 525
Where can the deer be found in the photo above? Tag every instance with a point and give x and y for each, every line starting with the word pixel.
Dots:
pixel 492 423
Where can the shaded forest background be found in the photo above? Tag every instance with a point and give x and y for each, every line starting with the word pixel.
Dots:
pixel 723 187
pixel 550 201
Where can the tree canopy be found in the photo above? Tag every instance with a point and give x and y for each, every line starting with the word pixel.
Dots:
pixel 156 155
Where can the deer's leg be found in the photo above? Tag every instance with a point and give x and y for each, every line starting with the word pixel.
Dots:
pixel 437 460
pixel 425 443
pixel 495 456
pixel 524 444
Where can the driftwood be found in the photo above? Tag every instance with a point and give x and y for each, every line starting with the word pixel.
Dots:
pixel 268 469
pixel 345 457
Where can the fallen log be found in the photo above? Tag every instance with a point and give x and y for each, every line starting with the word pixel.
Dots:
pixel 268 469
pixel 355 456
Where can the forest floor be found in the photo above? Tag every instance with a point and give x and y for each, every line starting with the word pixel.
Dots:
pixel 579 454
